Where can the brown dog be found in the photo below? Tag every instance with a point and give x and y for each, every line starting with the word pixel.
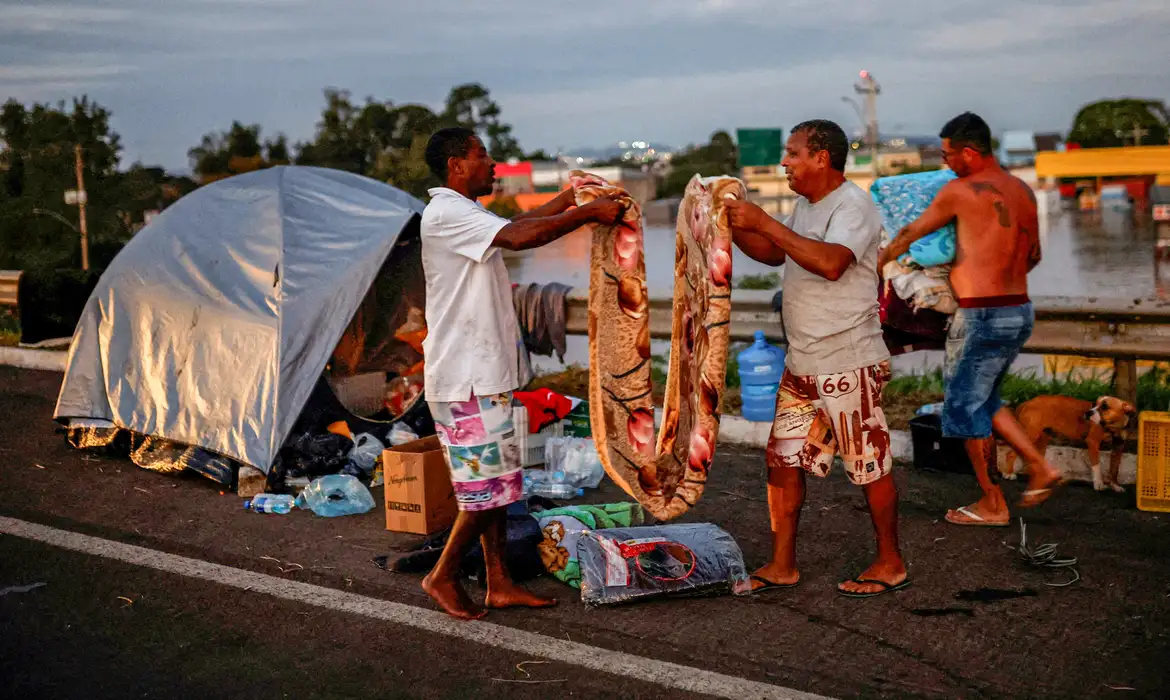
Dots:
pixel 1090 423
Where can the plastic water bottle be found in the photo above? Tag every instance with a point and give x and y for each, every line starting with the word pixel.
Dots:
pixel 539 482
pixel 270 503
pixel 760 368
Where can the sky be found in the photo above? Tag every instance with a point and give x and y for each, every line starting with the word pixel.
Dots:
pixel 582 74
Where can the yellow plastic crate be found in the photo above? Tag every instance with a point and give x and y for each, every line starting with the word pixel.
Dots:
pixel 1153 462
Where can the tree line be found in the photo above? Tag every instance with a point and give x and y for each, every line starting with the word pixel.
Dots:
pixel 380 139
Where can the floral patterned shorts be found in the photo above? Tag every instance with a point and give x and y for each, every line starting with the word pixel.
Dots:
pixel 481 449
pixel 820 415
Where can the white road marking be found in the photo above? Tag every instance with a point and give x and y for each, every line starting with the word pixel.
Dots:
pixel 663 673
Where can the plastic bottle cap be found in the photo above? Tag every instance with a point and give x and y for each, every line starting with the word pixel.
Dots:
pixel 759 335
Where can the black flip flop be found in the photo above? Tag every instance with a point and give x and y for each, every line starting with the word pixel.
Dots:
pixel 886 588
pixel 771 585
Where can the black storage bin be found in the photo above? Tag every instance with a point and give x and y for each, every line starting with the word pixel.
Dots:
pixel 933 451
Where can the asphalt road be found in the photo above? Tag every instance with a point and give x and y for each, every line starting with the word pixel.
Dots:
pixel 101 627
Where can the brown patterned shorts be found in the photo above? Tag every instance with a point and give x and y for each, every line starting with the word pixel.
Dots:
pixel 821 415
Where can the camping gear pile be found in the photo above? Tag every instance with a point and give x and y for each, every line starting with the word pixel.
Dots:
pixel 212 339
pixel 915 300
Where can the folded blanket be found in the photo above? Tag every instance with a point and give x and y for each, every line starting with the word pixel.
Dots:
pixel 562 527
pixel 903 198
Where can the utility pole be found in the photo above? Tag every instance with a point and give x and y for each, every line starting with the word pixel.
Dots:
pixel 869 87
pixel 81 199
pixel 1138 134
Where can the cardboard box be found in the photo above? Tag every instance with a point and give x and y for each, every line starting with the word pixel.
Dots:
pixel 418 492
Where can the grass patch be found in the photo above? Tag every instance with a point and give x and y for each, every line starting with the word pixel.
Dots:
pixel 903 395
pixel 766 281
pixel 574 380
pixel 1153 390
pixel 9 328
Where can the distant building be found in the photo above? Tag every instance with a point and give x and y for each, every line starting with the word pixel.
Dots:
pixel 1049 142
pixel 514 178
pixel 534 183
pixel 1017 148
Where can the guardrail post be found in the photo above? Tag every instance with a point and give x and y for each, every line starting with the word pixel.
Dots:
pixel 1125 379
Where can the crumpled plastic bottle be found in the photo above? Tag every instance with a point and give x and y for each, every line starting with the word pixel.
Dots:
pixel 335 495
pixel 365 453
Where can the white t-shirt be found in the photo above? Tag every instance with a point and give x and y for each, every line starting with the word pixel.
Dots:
pixel 834 326
pixel 472 335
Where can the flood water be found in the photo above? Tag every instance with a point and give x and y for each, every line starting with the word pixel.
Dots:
pixel 1105 255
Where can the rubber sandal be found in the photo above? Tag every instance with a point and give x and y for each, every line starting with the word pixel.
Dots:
pixel 771 585
pixel 974 519
pixel 1032 493
pixel 886 588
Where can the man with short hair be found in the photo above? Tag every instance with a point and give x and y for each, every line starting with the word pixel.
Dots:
pixel 998 244
pixel 472 354
pixel 830 396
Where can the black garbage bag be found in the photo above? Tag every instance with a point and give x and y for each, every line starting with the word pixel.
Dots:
pixel 315 454
pixel 51 302
pixel 520 552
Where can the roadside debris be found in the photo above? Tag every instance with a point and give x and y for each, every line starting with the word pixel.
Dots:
pixel 21 589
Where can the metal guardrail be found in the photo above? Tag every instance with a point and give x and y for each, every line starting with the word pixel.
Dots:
pixel 1089 327
pixel 8 282
pixel 1123 330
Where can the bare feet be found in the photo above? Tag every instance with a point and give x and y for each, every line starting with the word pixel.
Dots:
pixel 771 573
pixel 892 573
pixel 452 598
pixel 988 513
pixel 510 595
pixel 1043 478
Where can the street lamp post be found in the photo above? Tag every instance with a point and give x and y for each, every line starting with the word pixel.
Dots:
pixel 869 87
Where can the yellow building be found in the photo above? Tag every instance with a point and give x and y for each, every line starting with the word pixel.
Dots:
pixel 768 185
pixel 1087 169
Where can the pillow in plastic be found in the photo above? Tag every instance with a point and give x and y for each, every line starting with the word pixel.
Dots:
pixel 621 565
pixel 903 198
pixel 562 527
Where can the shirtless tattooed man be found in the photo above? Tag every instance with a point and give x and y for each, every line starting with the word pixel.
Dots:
pixel 998 244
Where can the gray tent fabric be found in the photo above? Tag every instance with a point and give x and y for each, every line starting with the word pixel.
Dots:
pixel 211 327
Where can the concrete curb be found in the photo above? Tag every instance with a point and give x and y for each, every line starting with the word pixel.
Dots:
pixel 25 358
pixel 1072 461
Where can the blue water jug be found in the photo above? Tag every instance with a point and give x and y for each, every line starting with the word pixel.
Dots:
pixel 760 368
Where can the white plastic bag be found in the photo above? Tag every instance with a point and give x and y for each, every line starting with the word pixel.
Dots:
pixel 366 451
pixel 401 434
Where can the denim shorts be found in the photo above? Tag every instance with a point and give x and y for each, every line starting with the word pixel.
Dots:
pixel 982 343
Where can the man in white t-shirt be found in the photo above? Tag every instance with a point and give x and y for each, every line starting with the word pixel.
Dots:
pixel 829 400
pixel 472 358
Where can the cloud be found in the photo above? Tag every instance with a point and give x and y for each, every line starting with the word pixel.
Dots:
pixel 52 18
pixel 73 72
pixel 1023 23
pixel 578 74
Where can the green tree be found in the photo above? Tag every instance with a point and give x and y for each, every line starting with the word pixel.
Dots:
pixel 388 142
pixel 237 150
pixel 37 160
pixel 1126 122
pixel 470 105
pixel 719 156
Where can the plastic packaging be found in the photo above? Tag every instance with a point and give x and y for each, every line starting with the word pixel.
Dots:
pixel 576 458
pixel 401 434
pixel 761 367
pixel 270 503
pixel 335 495
pixel 366 451
pixel 930 409
pixel 549 484
pixel 622 565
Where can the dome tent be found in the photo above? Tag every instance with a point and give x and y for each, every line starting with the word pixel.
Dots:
pixel 212 327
